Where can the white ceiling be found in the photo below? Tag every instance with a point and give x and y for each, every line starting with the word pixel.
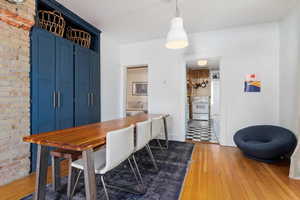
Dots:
pixel 137 20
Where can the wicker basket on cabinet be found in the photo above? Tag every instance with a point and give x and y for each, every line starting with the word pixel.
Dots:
pixel 52 21
pixel 79 37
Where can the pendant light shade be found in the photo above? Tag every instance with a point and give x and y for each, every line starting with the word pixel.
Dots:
pixel 177 37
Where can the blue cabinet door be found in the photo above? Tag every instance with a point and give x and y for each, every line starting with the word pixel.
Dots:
pixel 82 86
pixel 87 86
pixel 64 84
pixel 95 87
pixel 42 85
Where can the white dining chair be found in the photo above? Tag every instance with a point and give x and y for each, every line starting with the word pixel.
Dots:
pixel 157 130
pixel 143 137
pixel 119 147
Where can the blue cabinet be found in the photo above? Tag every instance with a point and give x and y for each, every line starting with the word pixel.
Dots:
pixel 87 86
pixel 52 84
pixel 65 85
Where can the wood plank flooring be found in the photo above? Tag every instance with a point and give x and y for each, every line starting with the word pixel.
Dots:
pixel 215 173
pixel 25 186
pixel 223 173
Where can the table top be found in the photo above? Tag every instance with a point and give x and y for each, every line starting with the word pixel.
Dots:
pixel 85 137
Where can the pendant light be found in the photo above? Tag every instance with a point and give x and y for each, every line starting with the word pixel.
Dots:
pixel 177 37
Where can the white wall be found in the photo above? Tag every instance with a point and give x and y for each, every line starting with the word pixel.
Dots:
pixel 289 69
pixel 289 81
pixel 110 78
pixel 166 76
pixel 244 50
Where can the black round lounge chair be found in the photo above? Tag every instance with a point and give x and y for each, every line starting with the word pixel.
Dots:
pixel 266 143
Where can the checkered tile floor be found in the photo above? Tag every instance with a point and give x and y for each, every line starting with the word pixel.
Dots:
pixel 201 131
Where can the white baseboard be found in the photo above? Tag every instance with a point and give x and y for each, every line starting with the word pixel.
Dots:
pixel 295 178
pixel 173 138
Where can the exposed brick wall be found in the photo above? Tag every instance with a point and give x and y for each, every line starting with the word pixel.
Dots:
pixel 15 22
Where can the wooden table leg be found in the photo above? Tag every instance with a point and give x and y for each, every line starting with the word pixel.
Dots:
pixel 41 172
pixel 89 175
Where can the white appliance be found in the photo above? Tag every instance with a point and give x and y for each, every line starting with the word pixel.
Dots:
pixel 200 108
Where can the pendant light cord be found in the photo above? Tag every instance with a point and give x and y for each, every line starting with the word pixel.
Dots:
pixel 177 10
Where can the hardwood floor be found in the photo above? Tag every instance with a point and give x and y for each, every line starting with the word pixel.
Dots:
pixel 25 186
pixel 221 173
pixel 215 173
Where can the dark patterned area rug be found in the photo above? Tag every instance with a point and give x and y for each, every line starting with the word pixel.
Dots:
pixel 162 185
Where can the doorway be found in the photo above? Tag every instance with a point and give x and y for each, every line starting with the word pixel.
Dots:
pixel 203 100
pixel 136 90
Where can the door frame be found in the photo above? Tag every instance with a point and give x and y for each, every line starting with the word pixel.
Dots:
pixel 124 86
pixel 222 107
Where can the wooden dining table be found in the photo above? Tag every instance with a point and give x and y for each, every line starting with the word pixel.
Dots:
pixel 83 139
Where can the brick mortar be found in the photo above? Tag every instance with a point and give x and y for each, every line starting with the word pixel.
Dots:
pixel 15 23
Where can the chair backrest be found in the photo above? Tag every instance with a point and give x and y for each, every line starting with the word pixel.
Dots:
pixel 119 146
pixel 157 127
pixel 143 134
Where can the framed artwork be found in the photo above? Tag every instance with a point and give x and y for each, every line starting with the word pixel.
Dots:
pixel 252 84
pixel 139 89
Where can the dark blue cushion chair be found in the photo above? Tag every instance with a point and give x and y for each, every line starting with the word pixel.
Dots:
pixel 265 143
